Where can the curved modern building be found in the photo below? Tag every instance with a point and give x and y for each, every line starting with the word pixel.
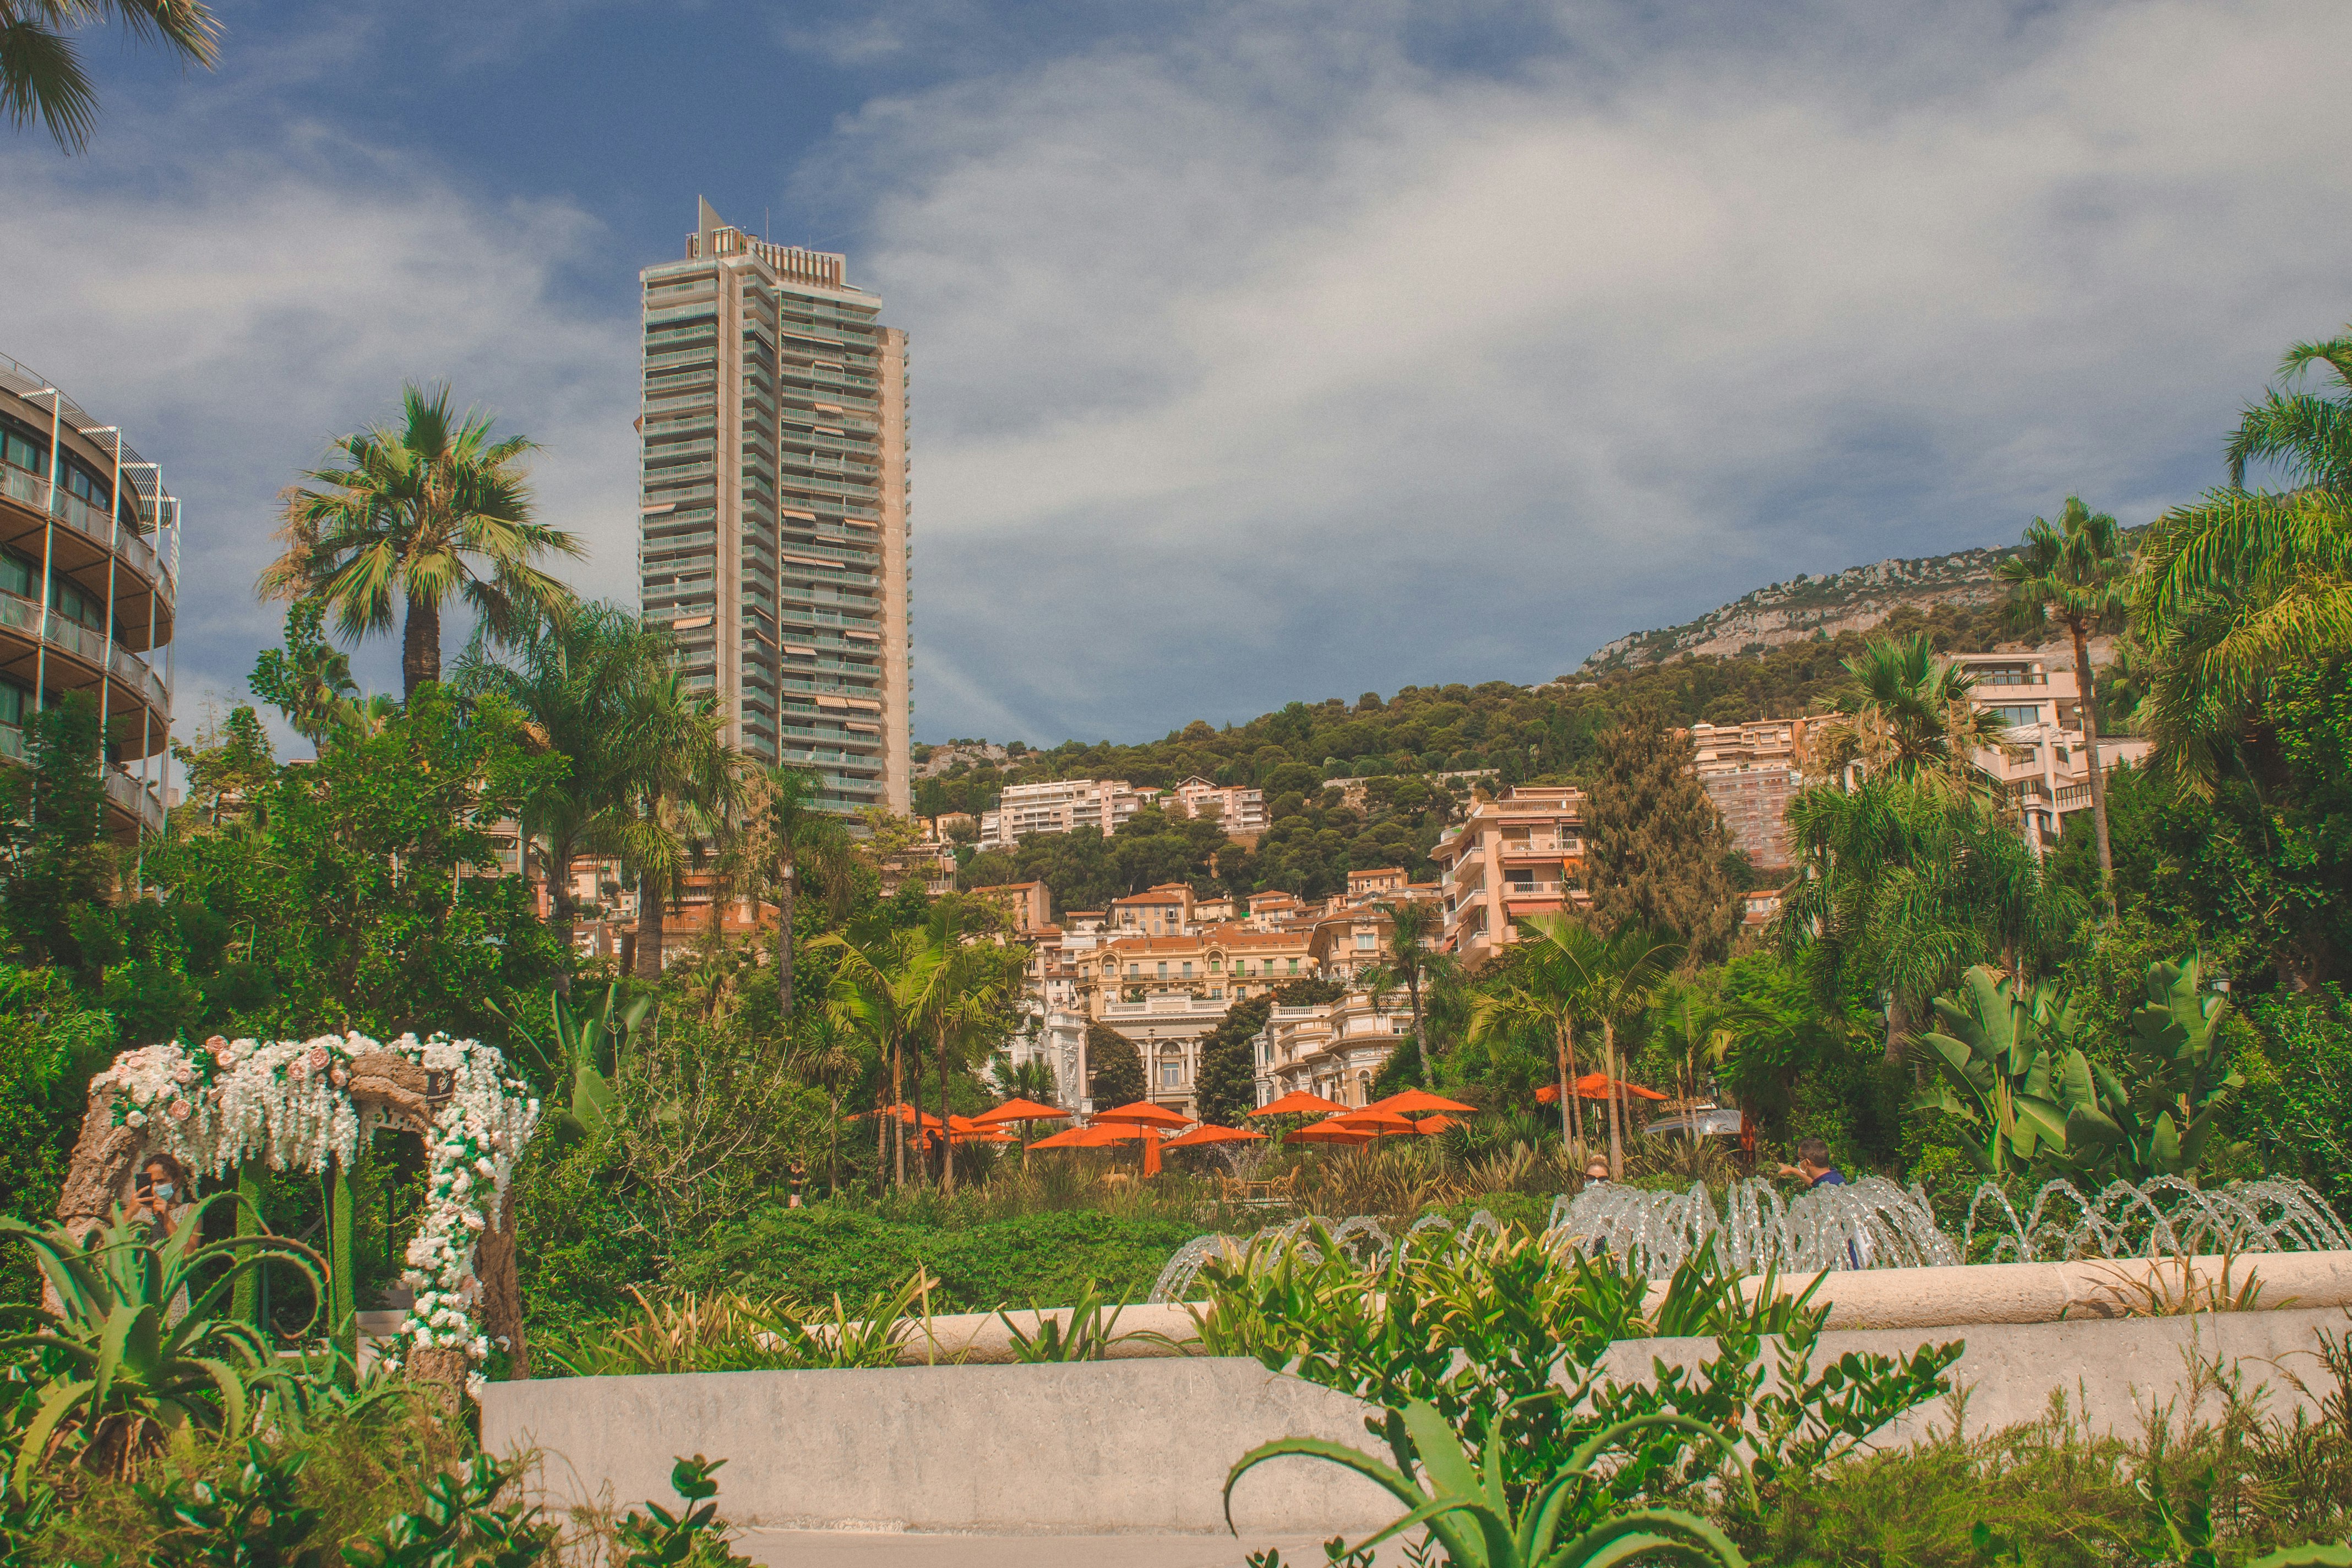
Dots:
pixel 89 556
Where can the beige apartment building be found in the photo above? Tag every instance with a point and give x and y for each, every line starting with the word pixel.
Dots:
pixel 1240 810
pixel 1332 1048
pixel 1751 771
pixel 773 536
pixel 1520 854
pixel 1060 805
pixel 2045 768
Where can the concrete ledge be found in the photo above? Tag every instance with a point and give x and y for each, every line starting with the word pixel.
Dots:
pixel 1100 1447
pixel 1141 1446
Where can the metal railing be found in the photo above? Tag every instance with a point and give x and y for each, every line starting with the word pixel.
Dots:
pixel 20 614
pixel 140 800
pixel 84 519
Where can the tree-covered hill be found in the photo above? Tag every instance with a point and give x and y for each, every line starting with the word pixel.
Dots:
pixel 1519 734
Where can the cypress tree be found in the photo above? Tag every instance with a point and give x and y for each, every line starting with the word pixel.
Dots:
pixel 1655 845
pixel 1228 1087
pixel 1114 1068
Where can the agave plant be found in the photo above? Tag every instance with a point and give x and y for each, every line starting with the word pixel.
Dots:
pixel 2009 1068
pixel 1573 1520
pixel 126 1367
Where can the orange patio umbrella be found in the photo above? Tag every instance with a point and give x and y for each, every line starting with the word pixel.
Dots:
pixel 904 1113
pixel 1207 1133
pixel 1595 1086
pixel 1298 1102
pixel 1086 1138
pixel 1420 1101
pixel 1380 1123
pixel 1330 1131
pixel 1151 1120
pixel 1433 1125
pixel 1020 1111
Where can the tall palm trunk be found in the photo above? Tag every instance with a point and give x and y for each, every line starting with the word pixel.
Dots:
pixel 1419 1039
pixel 650 929
pixel 897 1106
pixel 420 643
pixel 1898 1026
pixel 2091 744
pixel 1568 1122
pixel 787 881
pixel 947 1143
pixel 561 910
pixel 1616 1132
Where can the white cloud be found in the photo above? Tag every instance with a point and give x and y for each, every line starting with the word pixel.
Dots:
pixel 234 317
pixel 1247 371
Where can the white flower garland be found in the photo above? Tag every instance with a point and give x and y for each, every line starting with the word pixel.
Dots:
pixel 287 1103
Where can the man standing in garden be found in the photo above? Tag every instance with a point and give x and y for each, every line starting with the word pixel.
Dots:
pixel 1813 1165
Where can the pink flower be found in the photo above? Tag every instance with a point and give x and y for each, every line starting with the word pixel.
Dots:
pixel 184 1075
pixel 339 1078
pixel 181 1110
pixel 317 1058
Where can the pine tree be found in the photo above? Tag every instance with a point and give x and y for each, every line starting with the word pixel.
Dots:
pixel 1114 1068
pixel 1656 844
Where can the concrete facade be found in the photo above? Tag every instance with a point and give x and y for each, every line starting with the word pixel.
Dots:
pixel 774 531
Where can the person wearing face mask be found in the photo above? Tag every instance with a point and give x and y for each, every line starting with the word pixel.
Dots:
pixel 156 1198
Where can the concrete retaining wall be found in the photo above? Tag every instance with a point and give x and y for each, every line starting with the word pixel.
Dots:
pixel 1144 1445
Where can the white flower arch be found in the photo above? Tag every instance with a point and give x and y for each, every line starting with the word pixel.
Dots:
pixel 300 1105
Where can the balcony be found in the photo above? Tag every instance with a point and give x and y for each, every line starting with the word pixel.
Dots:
pixel 1513 891
pixel 136 682
pixel 33 492
pixel 139 801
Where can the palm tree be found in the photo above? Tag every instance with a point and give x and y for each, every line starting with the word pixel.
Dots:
pixel 2243 583
pixel 41 76
pixel 982 979
pixel 1692 1023
pixel 1562 971
pixel 1409 963
pixel 881 984
pixel 825 1051
pixel 1906 712
pixel 2073 574
pixel 784 833
pixel 417 514
pixel 675 779
pixel 1901 884
pixel 572 680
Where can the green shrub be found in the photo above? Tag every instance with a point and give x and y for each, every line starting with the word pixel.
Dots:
pixel 809 1254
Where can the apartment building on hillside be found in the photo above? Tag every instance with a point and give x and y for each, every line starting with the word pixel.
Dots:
pixel 2045 768
pixel 1239 809
pixel 773 535
pixel 1520 854
pixel 1751 771
pixel 1060 805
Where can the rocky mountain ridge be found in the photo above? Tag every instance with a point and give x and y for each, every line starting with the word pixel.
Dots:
pixel 1805 607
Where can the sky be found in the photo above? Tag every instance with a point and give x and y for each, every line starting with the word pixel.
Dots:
pixel 1261 350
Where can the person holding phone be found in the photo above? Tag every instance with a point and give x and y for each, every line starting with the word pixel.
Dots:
pixel 157 1197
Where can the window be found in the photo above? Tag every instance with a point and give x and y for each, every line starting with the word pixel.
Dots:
pixel 2023 714
pixel 1163 969
pixel 12 705
pixel 1171 1075
pixel 1216 993
pixel 1188 969
pixel 17 575
pixel 1366 942
pixel 22 450
pixel 1293 966
pixel 1217 966
pixel 1135 972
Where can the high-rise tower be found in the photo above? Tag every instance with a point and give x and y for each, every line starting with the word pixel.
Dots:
pixel 773 535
